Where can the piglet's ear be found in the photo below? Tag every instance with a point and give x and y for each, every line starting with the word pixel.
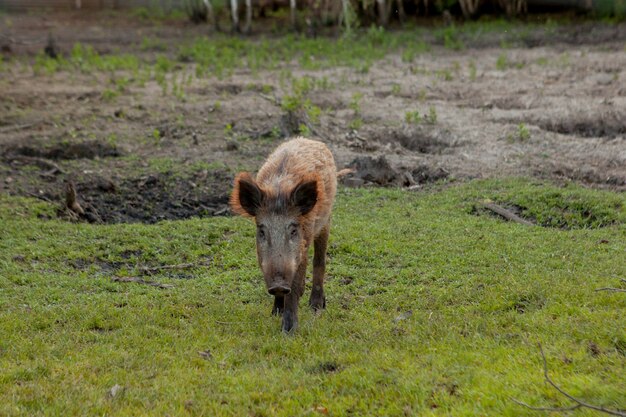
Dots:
pixel 305 196
pixel 247 197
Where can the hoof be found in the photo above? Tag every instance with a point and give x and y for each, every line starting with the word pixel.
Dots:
pixel 318 302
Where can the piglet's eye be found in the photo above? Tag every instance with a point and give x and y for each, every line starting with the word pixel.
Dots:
pixel 293 230
pixel 261 233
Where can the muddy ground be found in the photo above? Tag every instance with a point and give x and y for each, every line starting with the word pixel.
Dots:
pixel 551 106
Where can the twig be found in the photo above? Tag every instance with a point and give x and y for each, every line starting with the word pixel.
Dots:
pixel 506 214
pixel 21 41
pixel 141 281
pixel 41 162
pixel 38 196
pixel 611 289
pixel 10 128
pixel 150 270
pixel 579 403
pixel 574 407
pixel 271 99
pixel 623 280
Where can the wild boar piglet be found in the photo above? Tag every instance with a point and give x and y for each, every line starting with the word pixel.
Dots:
pixel 291 201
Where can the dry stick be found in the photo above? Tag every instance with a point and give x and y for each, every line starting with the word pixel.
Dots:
pixel 613 289
pixel 17 127
pixel 574 407
pixel 141 281
pixel 506 214
pixel 578 402
pixel 41 162
pixel 149 270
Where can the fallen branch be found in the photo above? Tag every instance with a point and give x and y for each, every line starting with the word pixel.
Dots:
pixel 507 214
pixel 613 289
pixel 11 128
pixel 579 403
pixel 151 270
pixel 141 281
pixel 40 162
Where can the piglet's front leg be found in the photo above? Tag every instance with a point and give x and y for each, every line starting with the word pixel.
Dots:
pixel 292 300
pixel 279 305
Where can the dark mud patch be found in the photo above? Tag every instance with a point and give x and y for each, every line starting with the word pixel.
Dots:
pixel 325 368
pixel 157 197
pixel 378 171
pixel 65 151
pixel 609 125
pixel 422 139
pixel 585 175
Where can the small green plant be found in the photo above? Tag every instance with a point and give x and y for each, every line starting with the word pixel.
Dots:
pixel 502 62
pixel 472 70
pixel 45 64
pixel 109 94
pixel 153 44
pixel 355 102
pixel 445 74
pixel 522 132
pixel 412 117
pixel 395 89
pixel 156 135
pixel 228 130
pixel 451 39
pixel 304 130
pixel 356 123
pixel 121 83
pixel 432 115
pixel 163 64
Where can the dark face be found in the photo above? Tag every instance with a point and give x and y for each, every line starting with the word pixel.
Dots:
pixel 282 233
pixel 280 246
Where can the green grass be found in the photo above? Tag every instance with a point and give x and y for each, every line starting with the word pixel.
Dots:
pixel 481 293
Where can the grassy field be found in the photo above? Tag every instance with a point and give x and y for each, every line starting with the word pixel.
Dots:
pixel 434 308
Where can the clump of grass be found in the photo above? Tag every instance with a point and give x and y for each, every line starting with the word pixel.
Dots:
pixel 412 117
pixel 522 132
pixel 298 102
pixel 432 115
pixel 502 62
pixel 109 94
pixel 450 36
pixel 153 44
pixel 472 70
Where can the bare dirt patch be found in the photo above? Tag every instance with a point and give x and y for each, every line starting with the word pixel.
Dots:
pixel 142 148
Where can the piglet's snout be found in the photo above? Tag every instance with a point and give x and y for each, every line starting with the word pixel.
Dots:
pixel 279 286
pixel 280 289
